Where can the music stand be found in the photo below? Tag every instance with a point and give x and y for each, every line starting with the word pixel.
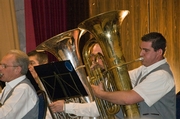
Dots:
pixel 60 80
pixel 32 80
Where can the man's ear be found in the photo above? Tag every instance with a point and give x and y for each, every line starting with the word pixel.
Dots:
pixel 18 69
pixel 160 51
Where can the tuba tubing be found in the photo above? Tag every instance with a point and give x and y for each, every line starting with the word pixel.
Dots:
pixel 105 28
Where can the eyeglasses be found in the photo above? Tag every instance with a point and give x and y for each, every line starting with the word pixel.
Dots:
pixel 5 66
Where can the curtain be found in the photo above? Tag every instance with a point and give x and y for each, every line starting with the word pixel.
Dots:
pixel 47 18
pixel 8 27
pixel 44 19
pixel 29 26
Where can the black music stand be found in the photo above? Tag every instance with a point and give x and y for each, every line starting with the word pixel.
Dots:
pixel 32 80
pixel 60 80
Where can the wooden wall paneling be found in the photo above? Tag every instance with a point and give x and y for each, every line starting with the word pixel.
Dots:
pixel 164 17
pixel 134 26
pixel 174 46
pixel 100 6
pixel 161 20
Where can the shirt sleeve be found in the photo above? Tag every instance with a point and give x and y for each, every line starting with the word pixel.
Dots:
pixel 79 109
pixel 19 103
pixel 155 86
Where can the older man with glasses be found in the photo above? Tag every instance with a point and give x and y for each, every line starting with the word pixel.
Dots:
pixel 18 98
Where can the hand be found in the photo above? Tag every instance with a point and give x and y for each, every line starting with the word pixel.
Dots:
pixel 57 106
pixel 97 90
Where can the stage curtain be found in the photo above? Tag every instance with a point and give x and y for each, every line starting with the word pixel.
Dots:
pixel 44 19
pixel 8 27
pixel 29 26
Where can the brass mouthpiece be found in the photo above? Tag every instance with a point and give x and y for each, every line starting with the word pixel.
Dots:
pixel 1 74
pixel 139 59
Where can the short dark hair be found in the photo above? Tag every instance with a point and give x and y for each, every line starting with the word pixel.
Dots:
pixel 157 39
pixel 42 56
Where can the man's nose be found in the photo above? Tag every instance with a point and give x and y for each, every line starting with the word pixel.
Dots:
pixel 141 53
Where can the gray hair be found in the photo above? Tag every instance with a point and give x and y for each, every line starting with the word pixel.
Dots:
pixel 21 60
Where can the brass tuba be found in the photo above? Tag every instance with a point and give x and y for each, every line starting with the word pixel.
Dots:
pixel 105 28
pixel 65 46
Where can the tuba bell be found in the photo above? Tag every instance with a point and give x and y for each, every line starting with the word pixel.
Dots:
pixel 105 28
pixel 65 46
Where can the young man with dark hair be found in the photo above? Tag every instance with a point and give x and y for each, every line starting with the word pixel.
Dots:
pixel 153 82
pixel 37 58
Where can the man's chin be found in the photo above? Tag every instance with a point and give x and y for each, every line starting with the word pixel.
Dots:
pixel 143 63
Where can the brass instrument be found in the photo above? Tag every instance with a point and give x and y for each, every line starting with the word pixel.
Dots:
pixel 65 46
pixel 105 29
pixel 1 74
pixel 97 74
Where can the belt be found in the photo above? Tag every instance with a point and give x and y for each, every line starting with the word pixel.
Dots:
pixel 151 114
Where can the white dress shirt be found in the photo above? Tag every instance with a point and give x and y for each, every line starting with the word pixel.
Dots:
pixel 20 102
pixel 155 85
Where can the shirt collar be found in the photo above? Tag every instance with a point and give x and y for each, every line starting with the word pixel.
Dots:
pixel 153 66
pixel 14 82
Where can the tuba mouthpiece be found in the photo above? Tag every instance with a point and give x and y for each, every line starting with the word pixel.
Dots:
pixel 1 74
pixel 139 59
